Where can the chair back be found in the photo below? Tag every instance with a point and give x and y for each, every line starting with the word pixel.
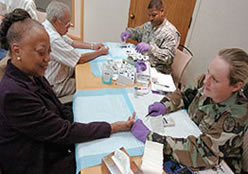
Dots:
pixel 3 64
pixel 66 99
pixel 180 62
pixel 245 152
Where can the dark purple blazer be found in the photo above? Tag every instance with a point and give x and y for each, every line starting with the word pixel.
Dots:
pixel 37 132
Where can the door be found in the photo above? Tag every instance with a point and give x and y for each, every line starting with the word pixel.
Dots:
pixel 178 12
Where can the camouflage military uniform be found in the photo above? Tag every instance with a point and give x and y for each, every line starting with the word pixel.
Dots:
pixel 222 125
pixel 163 40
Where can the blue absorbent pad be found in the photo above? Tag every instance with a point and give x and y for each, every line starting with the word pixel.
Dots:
pixel 115 52
pixel 108 105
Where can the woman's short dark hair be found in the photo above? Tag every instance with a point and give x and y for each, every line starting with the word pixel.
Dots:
pixel 9 19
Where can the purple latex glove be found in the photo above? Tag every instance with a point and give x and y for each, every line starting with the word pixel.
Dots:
pixel 142 47
pixel 139 130
pixel 140 66
pixel 125 35
pixel 156 109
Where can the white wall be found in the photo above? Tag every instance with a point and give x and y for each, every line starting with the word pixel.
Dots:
pixel 42 4
pixel 105 20
pixel 216 25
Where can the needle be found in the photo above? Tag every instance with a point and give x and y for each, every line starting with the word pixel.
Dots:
pixel 165 120
pixel 149 114
pixel 166 86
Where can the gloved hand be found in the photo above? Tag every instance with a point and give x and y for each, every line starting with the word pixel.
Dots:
pixel 139 130
pixel 125 35
pixel 156 109
pixel 142 47
pixel 140 66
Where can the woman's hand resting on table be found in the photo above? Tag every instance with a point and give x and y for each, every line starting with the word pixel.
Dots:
pixel 123 125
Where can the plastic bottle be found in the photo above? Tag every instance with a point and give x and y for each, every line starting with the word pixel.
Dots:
pixel 107 73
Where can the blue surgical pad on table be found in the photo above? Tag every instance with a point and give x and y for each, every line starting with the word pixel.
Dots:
pixel 108 105
pixel 116 51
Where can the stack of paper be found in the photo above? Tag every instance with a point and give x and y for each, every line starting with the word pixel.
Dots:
pixel 161 82
pixel 152 161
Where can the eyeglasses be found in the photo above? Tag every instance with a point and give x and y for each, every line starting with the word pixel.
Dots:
pixel 67 25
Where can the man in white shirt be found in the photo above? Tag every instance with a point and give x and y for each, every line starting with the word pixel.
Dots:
pixel 3 9
pixel 60 71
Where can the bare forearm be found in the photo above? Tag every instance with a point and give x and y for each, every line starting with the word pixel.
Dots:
pixel 119 126
pixel 85 45
pixel 80 44
pixel 123 125
pixel 89 56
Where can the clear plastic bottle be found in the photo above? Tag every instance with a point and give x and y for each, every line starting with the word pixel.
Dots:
pixel 107 73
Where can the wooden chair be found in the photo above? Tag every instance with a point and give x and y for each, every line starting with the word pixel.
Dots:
pixel 180 62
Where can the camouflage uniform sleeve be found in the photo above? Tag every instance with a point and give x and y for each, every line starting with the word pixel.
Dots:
pixel 193 152
pixel 165 49
pixel 136 33
pixel 173 101
pixel 200 152
pixel 182 99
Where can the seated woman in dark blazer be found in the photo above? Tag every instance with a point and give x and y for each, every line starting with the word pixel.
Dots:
pixel 37 133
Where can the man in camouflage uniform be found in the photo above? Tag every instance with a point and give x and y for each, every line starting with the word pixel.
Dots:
pixel 158 38
pixel 222 124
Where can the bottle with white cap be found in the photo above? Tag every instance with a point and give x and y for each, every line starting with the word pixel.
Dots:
pixel 107 73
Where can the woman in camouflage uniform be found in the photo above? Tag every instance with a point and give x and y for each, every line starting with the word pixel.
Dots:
pixel 219 108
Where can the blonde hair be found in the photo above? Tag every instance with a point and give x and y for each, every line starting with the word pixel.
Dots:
pixel 238 59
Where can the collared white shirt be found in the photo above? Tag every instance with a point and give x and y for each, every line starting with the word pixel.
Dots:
pixel 3 9
pixel 27 5
pixel 63 56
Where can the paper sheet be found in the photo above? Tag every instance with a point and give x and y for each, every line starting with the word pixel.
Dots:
pixel 181 118
pixel 141 103
pixel 162 82
pixel 152 160
pixel 222 168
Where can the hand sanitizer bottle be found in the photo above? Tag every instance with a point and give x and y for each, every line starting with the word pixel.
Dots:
pixel 106 73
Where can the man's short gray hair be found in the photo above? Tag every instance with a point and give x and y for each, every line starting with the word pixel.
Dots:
pixel 56 9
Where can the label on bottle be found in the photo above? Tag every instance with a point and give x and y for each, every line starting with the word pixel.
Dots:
pixel 106 74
